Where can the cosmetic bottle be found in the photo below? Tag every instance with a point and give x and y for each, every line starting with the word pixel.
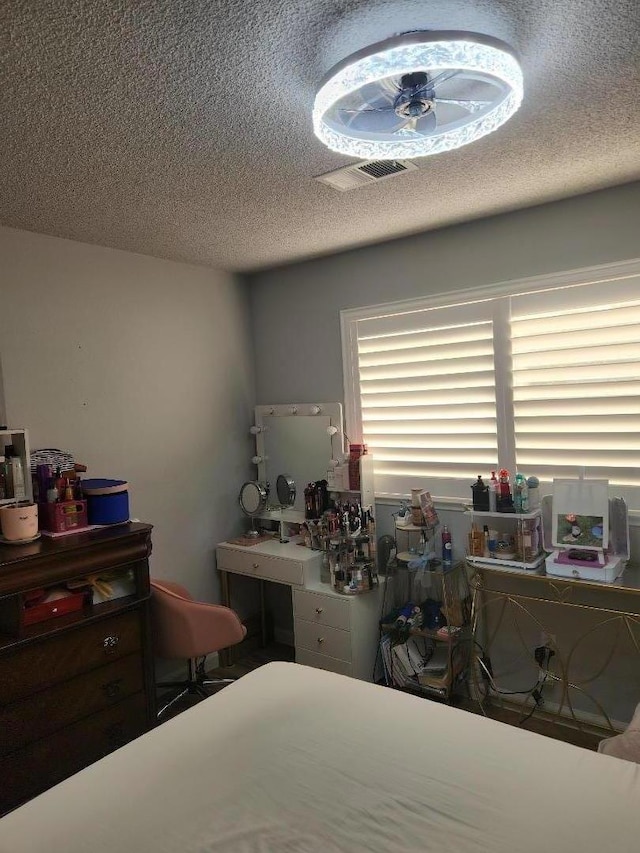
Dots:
pixel 3 483
pixel 493 492
pixel 520 494
pixel 19 492
pixel 447 556
pixel 325 567
pixel 480 494
pixel 505 501
pixel 533 487
pixel 52 492
pixel 8 472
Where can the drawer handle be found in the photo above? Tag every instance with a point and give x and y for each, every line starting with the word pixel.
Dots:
pixel 320 640
pixel 113 688
pixel 109 644
pixel 319 610
pixel 255 565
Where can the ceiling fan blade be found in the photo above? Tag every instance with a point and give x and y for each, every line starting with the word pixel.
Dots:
pixel 424 88
pixel 429 122
pixel 472 106
pixel 371 110
pixel 405 126
pixel 443 77
pixel 440 78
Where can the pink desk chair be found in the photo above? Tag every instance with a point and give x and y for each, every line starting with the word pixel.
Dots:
pixel 184 628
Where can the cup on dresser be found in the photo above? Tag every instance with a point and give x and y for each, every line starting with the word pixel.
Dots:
pixel 19 521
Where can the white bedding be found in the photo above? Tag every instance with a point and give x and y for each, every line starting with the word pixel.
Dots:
pixel 297 759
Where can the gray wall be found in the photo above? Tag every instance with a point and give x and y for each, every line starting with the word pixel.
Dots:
pixel 295 309
pixel 143 369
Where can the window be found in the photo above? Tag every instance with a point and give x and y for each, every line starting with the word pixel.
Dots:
pixel 540 376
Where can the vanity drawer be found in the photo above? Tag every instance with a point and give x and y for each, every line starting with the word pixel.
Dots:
pixel 321 609
pixel 49 710
pixel 307 658
pixel 260 566
pixel 54 659
pixel 323 639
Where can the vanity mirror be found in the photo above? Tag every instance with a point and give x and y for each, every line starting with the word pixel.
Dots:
pixel 253 501
pixel 300 439
pixel 286 492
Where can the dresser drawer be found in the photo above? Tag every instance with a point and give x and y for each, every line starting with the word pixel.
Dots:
pixel 323 639
pixel 322 609
pixel 38 766
pixel 46 662
pixel 49 710
pixel 260 566
pixel 317 661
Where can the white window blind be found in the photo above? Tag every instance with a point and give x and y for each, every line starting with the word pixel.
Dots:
pixel 576 381
pixel 427 394
pixel 541 376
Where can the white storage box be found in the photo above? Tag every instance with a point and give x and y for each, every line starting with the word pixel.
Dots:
pixel 586 571
pixel 577 559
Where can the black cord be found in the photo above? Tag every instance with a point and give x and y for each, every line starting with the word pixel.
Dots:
pixel 493 685
pixel 537 700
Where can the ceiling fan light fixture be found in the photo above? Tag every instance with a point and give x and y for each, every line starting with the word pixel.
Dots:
pixel 395 65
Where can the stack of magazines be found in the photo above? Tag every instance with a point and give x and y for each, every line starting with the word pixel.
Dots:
pixel 418 662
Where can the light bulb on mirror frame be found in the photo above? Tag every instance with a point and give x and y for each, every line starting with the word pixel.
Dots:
pixel 315 410
pixel 255 430
pixel 258 459
pixel 332 430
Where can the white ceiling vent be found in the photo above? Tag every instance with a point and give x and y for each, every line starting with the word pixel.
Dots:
pixel 362 174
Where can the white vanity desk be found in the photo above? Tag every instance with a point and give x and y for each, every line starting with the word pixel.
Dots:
pixel 332 631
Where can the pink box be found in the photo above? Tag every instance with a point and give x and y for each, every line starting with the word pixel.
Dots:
pixel 62 516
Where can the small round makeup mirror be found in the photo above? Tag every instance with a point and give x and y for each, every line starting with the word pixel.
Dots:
pixel 286 492
pixel 253 500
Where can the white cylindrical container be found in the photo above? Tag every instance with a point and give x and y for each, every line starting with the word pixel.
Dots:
pixel 19 521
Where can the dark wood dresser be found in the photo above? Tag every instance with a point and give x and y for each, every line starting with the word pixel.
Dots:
pixel 73 687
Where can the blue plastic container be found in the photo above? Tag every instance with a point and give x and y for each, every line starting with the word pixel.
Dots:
pixel 107 501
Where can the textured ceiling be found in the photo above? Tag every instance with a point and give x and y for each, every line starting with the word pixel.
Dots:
pixel 182 128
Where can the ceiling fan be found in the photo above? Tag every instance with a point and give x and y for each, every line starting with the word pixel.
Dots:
pixel 416 103
pixel 416 94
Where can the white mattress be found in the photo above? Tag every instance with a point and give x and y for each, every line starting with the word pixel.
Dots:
pixel 297 759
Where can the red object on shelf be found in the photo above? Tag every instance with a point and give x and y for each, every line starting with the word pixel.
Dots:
pixel 62 516
pixel 355 452
pixel 51 609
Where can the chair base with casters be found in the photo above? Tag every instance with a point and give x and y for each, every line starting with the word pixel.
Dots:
pixel 195 684
pixel 184 628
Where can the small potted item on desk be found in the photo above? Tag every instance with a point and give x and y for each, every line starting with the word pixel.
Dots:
pixel 19 523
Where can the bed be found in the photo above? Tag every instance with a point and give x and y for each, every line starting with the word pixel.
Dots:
pixel 297 759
